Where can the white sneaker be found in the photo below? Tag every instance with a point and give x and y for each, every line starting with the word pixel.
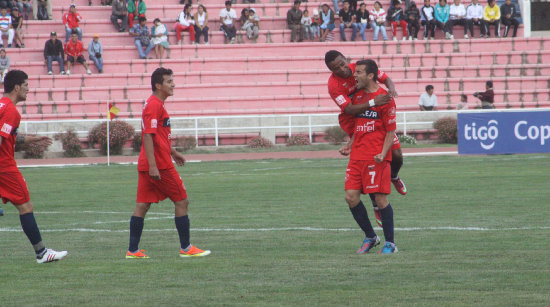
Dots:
pixel 451 36
pixel 207 43
pixel 394 38
pixel 415 39
pixel 410 38
pixel 466 36
pixel 89 72
pixel 425 38
pixel 404 38
pixel 68 72
pixel 447 35
pixel 51 256
pixel 50 72
pixel 63 72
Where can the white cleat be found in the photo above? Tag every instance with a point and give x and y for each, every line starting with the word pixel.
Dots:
pixel 51 256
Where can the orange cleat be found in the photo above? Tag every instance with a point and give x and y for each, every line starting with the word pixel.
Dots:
pixel 137 255
pixel 194 252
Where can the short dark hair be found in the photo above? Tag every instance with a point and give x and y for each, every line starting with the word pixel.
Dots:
pixel 158 76
pixel 489 84
pixel 362 4
pixel 396 2
pixel 371 67
pixel 379 4
pixel 228 2
pixel 74 32
pixel 13 78
pixel 429 87
pixel 464 97
pixel 331 55
pixel 142 19
pixel 297 2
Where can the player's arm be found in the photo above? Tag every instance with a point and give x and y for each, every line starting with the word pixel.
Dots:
pixel 388 142
pixel 178 157
pixel 391 87
pixel 346 149
pixel 150 154
pixel 354 109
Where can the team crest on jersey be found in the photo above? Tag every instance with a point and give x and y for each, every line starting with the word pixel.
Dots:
pixel 166 122
pixel 154 123
pixel 340 100
pixel 7 128
pixel 371 167
pixel 392 112
pixel 369 114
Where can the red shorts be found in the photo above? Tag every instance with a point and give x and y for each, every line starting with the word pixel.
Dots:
pixel 396 144
pixel 152 191
pixel 368 176
pixel 13 188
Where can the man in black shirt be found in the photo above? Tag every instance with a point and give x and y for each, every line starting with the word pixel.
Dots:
pixel 53 51
pixel 347 20
pixel 508 13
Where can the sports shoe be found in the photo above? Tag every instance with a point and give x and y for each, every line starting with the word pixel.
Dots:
pixel 50 72
pixel 425 38
pixel 50 256
pixel 68 72
pixel 447 35
pixel 137 255
pixel 63 72
pixel 1 212
pixel 378 217
pixel 389 248
pixel 368 244
pixel 410 37
pixel 194 252
pixel 466 36
pixel 89 72
pixel 399 186
pixel 394 38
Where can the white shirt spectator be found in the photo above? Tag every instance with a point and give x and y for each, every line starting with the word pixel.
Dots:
pixel 427 100
pixel 185 21
pixel 457 11
pixel 228 16
pixel 5 22
pixel 427 11
pixel 474 11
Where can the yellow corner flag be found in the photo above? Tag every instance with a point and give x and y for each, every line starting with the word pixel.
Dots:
pixel 112 111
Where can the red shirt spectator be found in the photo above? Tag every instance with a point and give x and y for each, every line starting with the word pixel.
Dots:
pixel 74 49
pixel 71 18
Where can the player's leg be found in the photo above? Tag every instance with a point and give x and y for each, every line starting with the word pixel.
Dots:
pixel 396 163
pixel 181 220
pixel 136 228
pixel 386 211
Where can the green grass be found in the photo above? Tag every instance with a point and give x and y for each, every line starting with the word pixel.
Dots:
pixel 441 267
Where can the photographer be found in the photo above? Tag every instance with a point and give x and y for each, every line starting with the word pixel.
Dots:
pixel 488 97
pixel 95 50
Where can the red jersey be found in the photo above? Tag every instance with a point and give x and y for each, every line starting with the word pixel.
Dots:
pixel 71 20
pixel 155 121
pixel 74 49
pixel 371 127
pixel 9 122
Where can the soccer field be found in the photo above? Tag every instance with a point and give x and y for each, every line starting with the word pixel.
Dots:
pixel 471 231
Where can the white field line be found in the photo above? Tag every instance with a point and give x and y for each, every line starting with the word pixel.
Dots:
pixel 38 212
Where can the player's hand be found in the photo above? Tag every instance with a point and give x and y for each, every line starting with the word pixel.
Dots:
pixel 154 173
pixel 393 93
pixel 345 150
pixel 180 160
pixel 381 100
pixel 378 158
pixel 42 140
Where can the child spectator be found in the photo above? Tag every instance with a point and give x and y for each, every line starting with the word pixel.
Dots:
pixel 119 12
pixel 315 23
pixel 4 64
pixel 185 22
pixel 362 20
pixel 509 13
pixel 53 51
pixel 327 19
pixel 24 7
pixel 378 17
pixel 42 9
pixel 73 50
pixel 17 23
pixel 413 16
pixel 227 21
pixel 442 17
pixel 142 37
pixel 95 52
pixel 463 104
pixel 294 22
pixel 396 16
pixel 71 20
pixel 252 25
pixel 306 23
pixel 136 9
pixel 428 19
pixel 457 16
pixel 159 38
pixel 6 27
pixel 474 16
pixel 201 24
pixel 491 16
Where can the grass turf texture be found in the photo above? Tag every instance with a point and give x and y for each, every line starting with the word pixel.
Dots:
pixel 450 267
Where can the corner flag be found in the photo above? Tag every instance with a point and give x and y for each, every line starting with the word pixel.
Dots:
pixel 112 111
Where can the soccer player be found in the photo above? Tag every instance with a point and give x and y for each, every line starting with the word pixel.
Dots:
pixel 368 169
pixel 158 178
pixel 13 187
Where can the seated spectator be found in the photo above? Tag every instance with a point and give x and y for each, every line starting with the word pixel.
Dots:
pixel 4 64
pixel 252 25
pixel 24 7
pixel 8 4
pixel 457 16
pixel 378 18
pixel 362 20
pixel 294 22
pixel 463 104
pixel 327 22
pixel 428 19
pixel 136 9
pixel 315 23
pixel 142 37
pixel 442 17
pixel 6 27
pixel 17 23
pixel 42 9
pixel 491 17
pixel 428 101
pixel 509 13
pixel 306 23
pixel 119 12
pixel 227 21
pixel 396 16
pixel 71 20
pixel 185 22
pixel 347 20
pixel 159 38
pixel 103 2
pixel 474 16
pixel 95 51
pixel 73 50
pixel 53 51
pixel 201 24
pixel 487 98
pixel 413 16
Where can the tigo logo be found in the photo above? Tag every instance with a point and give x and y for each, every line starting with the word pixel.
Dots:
pixel 485 134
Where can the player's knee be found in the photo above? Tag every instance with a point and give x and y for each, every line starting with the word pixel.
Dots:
pixel 397 155
pixel 25 208
pixel 182 203
pixel 381 200
pixel 352 200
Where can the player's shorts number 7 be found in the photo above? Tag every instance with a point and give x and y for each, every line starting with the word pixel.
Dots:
pixel 372 175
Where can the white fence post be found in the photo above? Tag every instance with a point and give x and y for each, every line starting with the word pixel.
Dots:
pixel 216 128
pixel 289 126
pixel 309 128
pixel 405 123
pixel 197 132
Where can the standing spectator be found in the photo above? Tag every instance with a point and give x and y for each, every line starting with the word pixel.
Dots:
pixel 159 38
pixel 509 13
pixel 227 21
pixel 6 27
pixel 413 16
pixel 201 24
pixel 463 104
pixel 457 14
pixel 71 20
pixel 347 20
pixel 327 22
pixel 136 9
pixel 142 37
pixel 474 15
pixel 120 12
pixel 378 17
pixel 336 7
pixel 53 51
pixel 294 22
pixel 17 23
pixel 428 101
pixel 185 23
pixel 315 23
pixel 73 50
pixel 95 51
pixel 488 97
pixel 362 20
pixel 428 19
pixel 4 64
pixel 24 7
pixel 42 9
pixel 491 16
pixel 252 25
pixel 442 11
pixel 397 18
pixel 306 23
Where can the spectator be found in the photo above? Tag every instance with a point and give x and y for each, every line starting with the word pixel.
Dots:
pixel 488 97
pixel 142 39
pixel 185 23
pixel 17 23
pixel 244 17
pixel 8 4
pixel 428 19
pixel 413 16
pixel 457 16
pixel 201 24
pixel 120 12
pixel 352 5
pixel 362 20
pixel 252 25
pixel 53 51
pixel 42 9
pixel 136 9
pixel 159 38
pixel 315 23
pixel 474 16
pixel 378 17
pixel 491 17
pixel 509 13
pixel 6 27
pixel 294 22
pixel 95 51
pixel 227 21
pixel 336 7
pixel 428 101
pixel 396 16
pixel 442 17
pixel 463 104
pixel 347 20
pixel 4 64
pixel 71 20
pixel 327 22
pixel 24 7
pixel 73 50
pixel 306 23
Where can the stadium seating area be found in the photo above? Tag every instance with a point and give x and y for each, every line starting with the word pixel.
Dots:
pixel 271 75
